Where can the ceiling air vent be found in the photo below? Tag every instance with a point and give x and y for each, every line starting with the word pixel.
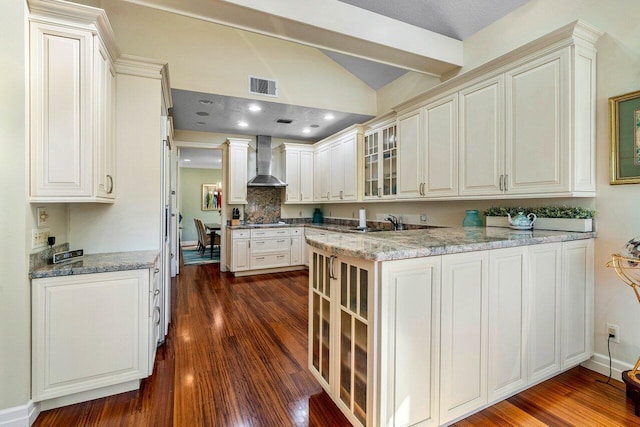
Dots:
pixel 262 86
pixel 284 121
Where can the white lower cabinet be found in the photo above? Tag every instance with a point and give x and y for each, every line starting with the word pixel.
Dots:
pixel 452 333
pixel 92 331
pixel 577 302
pixel 545 282
pixel 508 299
pixel 265 248
pixel 463 341
pixel 409 342
pixel 341 332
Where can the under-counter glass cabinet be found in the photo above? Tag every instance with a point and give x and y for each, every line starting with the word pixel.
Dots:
pixel 340 332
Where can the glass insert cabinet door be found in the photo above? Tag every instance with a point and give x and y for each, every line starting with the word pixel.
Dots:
pixel 380 159
pixel 355 286
pixel 320 278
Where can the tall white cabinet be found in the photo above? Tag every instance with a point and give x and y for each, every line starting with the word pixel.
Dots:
pixel 298 172
pixel 72 105
pixel 237 155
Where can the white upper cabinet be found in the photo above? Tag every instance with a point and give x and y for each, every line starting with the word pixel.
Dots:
pixel 320 178
pixel 298 172
pixel 428 150
pixel 380 157
pixel 72 104
pixel 526 125
pixel 410 148
pixel 336 166
pixel 482 138
pixel 237 155
pixel 537 126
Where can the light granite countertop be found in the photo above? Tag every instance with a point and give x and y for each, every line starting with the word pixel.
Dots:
pixel 393 245
pixel 99 263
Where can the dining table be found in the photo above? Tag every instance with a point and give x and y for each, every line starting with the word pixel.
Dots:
pixel 212 227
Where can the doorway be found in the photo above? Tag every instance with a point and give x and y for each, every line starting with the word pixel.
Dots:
pixel 200 201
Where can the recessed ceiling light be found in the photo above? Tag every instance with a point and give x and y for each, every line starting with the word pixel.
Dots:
pixel 306 130
pixel 187 160
pixel 200 123
pixel 314 126
pixel 202 113
pixel 243 124
pixel 255 107
pixel 205 102
pixel 329 116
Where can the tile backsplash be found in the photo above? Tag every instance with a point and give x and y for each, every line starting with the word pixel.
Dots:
pixel 263 205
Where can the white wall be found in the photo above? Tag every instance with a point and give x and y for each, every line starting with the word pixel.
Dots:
pixel 15 214
pixel 617 73
pixel 212 58
pixel 133 221
pixel 402 89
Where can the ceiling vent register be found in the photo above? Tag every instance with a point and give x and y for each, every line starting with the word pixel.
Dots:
pixel 260 86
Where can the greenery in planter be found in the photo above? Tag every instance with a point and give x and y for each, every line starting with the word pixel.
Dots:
pixel 544 212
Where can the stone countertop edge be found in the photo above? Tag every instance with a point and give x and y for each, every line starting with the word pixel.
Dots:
pixel 392 245
pixel 325 226
pixel 99 263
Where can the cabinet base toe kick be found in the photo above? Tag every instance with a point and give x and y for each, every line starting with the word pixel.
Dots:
pixel 268 270
pixel 85 396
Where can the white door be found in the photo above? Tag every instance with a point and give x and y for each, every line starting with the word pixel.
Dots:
pixel 537 130
pixel 410 142
pixel 507 370
pixel 410 326
pixel 292 175
pixel 240 255
pixel 336 167
pixel 481 141
pixel 544 310
pixel 306 176
pixel 463 349
pixel 577 302
pixel 350 178
pixel 440 162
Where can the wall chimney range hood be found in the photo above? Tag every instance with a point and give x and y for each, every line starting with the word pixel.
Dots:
pixel 263 162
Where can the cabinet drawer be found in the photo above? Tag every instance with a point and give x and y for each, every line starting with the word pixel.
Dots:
pixel 270 245
pixel 297 231
pixel 269 260
pixel 270 232
pixel 241 234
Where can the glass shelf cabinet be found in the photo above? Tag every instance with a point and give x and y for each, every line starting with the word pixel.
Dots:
pixel 380 160
pixel 341 331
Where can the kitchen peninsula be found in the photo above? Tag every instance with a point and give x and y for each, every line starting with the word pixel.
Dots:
pixel 428 326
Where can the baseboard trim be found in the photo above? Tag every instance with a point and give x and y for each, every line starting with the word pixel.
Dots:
pixel 600 364
pixel 184 243
pixel 20 416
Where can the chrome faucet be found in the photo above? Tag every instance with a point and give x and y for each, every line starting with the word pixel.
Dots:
pixel 394 222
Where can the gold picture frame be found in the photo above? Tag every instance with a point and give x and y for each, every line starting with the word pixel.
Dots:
pixel 625 138
pixel 209 197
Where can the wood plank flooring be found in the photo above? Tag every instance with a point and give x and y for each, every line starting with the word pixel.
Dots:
pixel 236 356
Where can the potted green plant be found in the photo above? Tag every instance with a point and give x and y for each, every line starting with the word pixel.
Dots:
pixel 564 218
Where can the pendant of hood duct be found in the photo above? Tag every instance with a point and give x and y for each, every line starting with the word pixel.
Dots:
pixel 263 163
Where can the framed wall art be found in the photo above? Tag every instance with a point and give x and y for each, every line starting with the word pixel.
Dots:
pixel 210 197
pixel 625 138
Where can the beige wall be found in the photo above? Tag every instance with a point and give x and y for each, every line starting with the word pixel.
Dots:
pixel 15 216
pixel 402 89
pixel 191 180
pixel 133 221
pixel 617 73
pixel 212 58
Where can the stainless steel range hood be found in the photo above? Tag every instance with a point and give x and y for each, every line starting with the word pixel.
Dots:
pixel 263 161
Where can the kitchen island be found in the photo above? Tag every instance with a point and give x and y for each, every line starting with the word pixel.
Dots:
pixel 424 327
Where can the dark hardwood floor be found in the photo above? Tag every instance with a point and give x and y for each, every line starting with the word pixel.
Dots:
pixel 236 356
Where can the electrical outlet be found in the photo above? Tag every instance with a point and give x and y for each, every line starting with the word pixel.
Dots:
pixel 39 237
pixel 613 331
pixel 423 217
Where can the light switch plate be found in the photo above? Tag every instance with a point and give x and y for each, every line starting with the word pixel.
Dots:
pixel 43 215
